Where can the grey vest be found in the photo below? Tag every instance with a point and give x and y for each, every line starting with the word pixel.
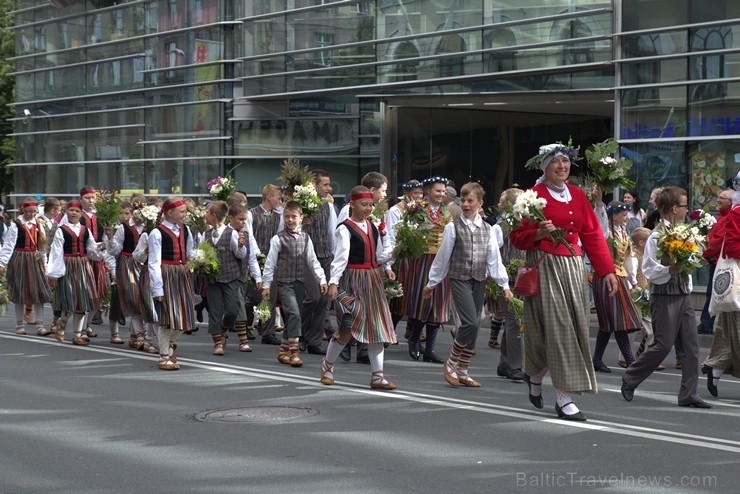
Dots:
pixel 264 226
pixel 468 260
pixel 320 231
pixel 229 263
pixel 291 263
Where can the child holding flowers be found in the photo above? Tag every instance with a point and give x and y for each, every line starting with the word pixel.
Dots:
pixel 670 256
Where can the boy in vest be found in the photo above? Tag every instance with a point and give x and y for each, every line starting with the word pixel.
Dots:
pixel 674 322
pixel 265 221
pixel 291 255
pixel 467 254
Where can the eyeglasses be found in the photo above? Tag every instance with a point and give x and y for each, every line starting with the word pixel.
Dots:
pixel 682 205
pixel 725 198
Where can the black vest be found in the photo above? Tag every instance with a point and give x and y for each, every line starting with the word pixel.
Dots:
pixel 74 245
pixel 130 239
pixel 361 246
pixel 173 247
pixel 96 229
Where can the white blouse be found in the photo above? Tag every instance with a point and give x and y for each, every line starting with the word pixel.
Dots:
pixel 155 255
pixel 55 268
pixel 383 251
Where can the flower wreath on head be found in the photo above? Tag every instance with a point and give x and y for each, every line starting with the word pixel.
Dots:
pixel 618 209
pixel 549 151
pixel 435 180
pixel 411 185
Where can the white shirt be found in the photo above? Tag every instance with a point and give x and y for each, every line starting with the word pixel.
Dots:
pixel 272 259
pixel 343 214
pixel 141 252
pixel 155 255
pixel 392 216
pixel 383 250
pixel 254 265
pixel 11 237
pixel 56 268
pixel 115 246
pixel 652 269
pixel 441 264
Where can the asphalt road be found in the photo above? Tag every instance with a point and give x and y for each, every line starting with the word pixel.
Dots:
pixel 103 418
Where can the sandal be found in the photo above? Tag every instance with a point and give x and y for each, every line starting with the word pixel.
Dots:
pixel 378 381
pixel 327 373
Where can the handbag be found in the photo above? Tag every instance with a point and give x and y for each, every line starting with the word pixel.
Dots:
pixel 725 285
pixel 528 280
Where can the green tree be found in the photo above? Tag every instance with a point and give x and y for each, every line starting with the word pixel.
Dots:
pixel 7 96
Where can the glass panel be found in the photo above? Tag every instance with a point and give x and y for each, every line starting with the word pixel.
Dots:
pixel 646 14
pixel 711 111
pixel 651 118
pixel 716 10
pixel 278 137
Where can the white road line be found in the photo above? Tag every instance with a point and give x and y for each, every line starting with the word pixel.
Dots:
pixel 662 435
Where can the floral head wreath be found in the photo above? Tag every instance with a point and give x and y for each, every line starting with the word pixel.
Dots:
pixel 410 185
pixel 618 208
pixel 548 152
pixel 435 180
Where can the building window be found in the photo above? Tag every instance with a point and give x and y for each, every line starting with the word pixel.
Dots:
pixel 323 58
pixel 711 66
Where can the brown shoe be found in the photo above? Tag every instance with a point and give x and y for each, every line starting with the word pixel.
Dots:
pixel 218 349
pixel 59 335
pixel 20 331
pixel 244 347
pixel 469 382
pixel 450 374
pixel 622 364
pixel 326 369
pixel 116 339
pixel 678 364
pixel 376 382
pixel 149 348
pixel 660 367
pixel 77 340
pixel 283 357
pixel 295 358
pixel 90 333
pixel 168 365
pixel 28 317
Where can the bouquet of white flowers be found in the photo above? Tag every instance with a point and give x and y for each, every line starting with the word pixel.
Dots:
pixel 528 206
pixel 148 215
pixel 205 262
pixel 263 311
pixel 608 172
pixel 703 221
pixel 308 198
pixel 222 188
pixel 196 219
pixel 393 289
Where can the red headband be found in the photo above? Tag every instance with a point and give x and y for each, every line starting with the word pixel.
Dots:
pixel 361 195
pixel 74 204
pixel 86 192
pixel 173 205
pixel 29 204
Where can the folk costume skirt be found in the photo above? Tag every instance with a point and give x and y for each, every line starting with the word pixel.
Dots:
pixel 128 273
pixel 26 275
pixel 362 306
pixel 75 291
pixel 556 324
pixel 617 313
pixel 176 311
pixel 148 310
pixel 414 276
pixel 725 352
pixel 101 280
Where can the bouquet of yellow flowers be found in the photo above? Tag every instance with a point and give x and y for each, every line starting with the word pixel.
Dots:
pixel 205 262
pixel 678 244
pixel 412 232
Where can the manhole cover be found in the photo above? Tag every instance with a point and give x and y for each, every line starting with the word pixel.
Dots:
pixel 255 414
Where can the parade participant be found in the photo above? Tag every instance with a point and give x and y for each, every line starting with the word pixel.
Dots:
pixel 48 220
pixel 266 221
pixel 238 222
pixel 468 253
pixel 291 255
pixel 128 271
pixel 70 271
pixel 670 307
pixel 170 247
pixel 148 311
pixel 414 276
pixel 616 312
pixel 321 230
pixel 22 260
pixel 556 320
pixel 356 284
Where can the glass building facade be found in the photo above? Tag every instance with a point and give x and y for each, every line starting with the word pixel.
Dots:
pixel 159 96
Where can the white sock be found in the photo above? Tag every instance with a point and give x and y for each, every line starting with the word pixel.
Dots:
pixel 716 373
pixel 20 311
pixel 375 352
pixel 536 383
pixel 38 314
pixel 562 398
pixel 333 351
pixel 137 326
pixel 78 323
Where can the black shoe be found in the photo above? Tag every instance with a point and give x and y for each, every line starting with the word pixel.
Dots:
pixel 270 340
pixel 250 335
pixel 363 359
pixel 121 321
pixel 577 417
pixel 628 392
pixel 701 330
pixel 600 366
pixel 414 351
pixel 315 350
pixel 696 404
pixel 346 353
pixel 433 358
pixel 199 314
pixel 705 369
pixel 515 375
pixel 502 371
pixel 302 346
pixel 97 319
pixel 534 400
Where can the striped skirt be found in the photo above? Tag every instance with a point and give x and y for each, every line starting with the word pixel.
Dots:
pixel 26 275
pixel 148 311
pixel 414 276
pixel 176 310
pixel 75 290
pixel 617 313
pixel 101 280
pixel 361 303
pixel 556 324
pixel 128 273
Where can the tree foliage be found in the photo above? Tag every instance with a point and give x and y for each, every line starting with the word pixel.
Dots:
pixel 7 95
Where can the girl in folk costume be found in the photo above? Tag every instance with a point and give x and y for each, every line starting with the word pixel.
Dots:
pixel 71 272
pixel 414 276
pixel 128 270
pixel 23 256
pixel 616 313
pixel 171 245
pixel 146 303
pixel 412 191
pixel 356 285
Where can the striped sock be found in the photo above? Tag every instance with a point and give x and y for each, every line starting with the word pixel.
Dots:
pixel 457 350
pixel 293 344
pixel 284 346
pixel 217 338
pixel 465 357
pixel 241 331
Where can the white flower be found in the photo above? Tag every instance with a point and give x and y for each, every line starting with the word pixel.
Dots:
pixel 199 255
pixel 608 160
pixel 216 189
